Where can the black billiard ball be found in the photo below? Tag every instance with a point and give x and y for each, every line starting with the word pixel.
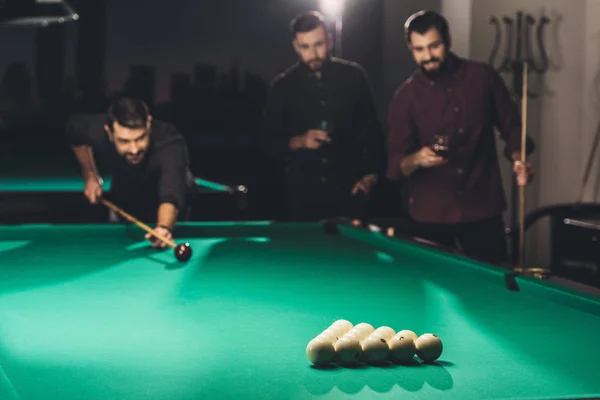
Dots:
pixel 183 252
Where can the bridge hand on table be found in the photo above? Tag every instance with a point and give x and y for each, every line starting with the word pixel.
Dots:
pixel 157 243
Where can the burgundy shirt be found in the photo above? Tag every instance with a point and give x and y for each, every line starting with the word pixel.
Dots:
pixel 466 103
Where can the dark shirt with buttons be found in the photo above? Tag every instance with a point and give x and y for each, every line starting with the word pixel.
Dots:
pixel 342 99
pixel 467 103
pixel 163 177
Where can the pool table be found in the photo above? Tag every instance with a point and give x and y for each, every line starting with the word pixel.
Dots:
pixel 91 312
pixel 58 197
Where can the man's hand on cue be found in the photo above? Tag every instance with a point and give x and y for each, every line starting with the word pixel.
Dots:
pixel 156 242
pixel 524 173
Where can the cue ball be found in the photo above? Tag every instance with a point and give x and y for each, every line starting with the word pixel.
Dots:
pixel 183 252
pixel 320 352
pixel 429 347
pixel 402 349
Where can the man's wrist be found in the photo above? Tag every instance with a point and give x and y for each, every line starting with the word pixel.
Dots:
pixel 92 175
pixel 296 142
pixel 410 161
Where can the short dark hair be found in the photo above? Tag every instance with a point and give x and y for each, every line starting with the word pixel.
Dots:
pixel 307 22
pixel 128 112
pixel 423 21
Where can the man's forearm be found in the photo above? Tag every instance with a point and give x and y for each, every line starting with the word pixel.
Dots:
pixel 85 157
pixel 167 215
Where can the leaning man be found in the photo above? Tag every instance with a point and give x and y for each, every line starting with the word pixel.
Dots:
pixel 147 159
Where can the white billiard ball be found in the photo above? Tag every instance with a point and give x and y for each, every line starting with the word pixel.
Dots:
pixel 429 347
pixel 408 334
pixel 385 332
pixel 344 323
pixel 364 328
pixel 348 350
pixel 358 334
pixel 341 326
pixel 374 228
pixel 328 336
pixel 354 335
pixel 402 348
pixel 375 349
pixel 320 352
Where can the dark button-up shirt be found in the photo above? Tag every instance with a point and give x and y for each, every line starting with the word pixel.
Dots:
pixel 342 97
pixel 163 176
pixel 466 104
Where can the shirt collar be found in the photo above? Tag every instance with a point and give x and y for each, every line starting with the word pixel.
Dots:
pixel 309 73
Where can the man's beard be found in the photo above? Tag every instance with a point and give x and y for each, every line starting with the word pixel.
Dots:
pixel 434 72
pixel 134 159
pixel 316 64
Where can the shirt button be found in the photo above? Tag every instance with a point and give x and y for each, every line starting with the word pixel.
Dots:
pixel 456 109
pixel 449 90
pixel 461 130
pixel 459 170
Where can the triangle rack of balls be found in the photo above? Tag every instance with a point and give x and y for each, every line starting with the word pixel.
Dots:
pixel 348 344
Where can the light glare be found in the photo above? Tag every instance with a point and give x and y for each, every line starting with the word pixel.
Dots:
pixel 332 8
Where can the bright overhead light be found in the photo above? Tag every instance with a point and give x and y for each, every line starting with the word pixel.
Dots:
pixel 35 13
pixel 332 8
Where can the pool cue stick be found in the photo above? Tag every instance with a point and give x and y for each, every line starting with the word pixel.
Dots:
pixel 590 162
pixel 523 161
pixel 137 222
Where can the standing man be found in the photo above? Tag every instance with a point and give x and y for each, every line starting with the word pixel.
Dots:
pixel 148 161
pixel 454 104
pixel 321 120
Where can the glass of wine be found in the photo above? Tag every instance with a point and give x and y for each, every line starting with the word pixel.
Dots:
pixel 441 145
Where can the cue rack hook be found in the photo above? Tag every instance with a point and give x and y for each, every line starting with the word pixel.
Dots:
pixel 518 33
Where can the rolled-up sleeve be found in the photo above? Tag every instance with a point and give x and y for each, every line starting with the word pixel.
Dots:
pixel 507 117
pixel 172 182
pixel 402 137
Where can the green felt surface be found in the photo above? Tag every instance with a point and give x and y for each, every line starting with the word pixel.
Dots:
pixel 92 312
pixel 73 183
